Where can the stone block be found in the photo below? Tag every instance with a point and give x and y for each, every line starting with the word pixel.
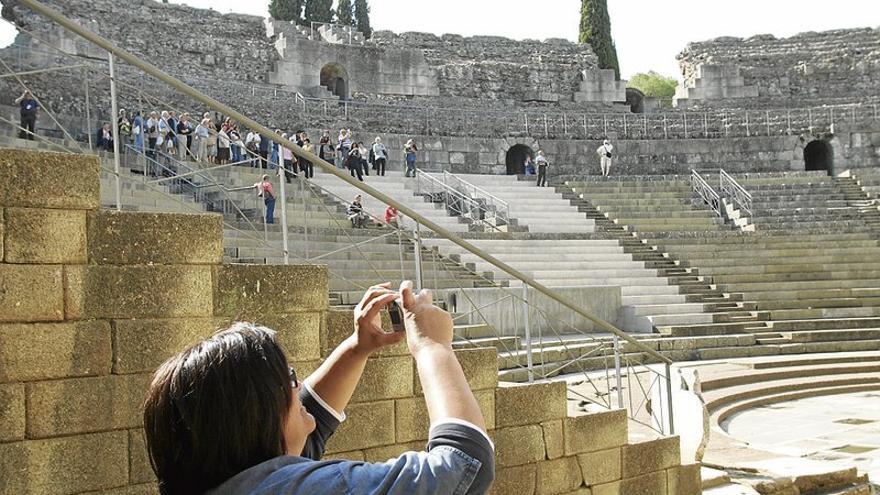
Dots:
pixel 340 325
pixel 32 179
pixel 558 476
pixel 480 367
pixel 382 454
pixel 142 345
pixel 2 233
pixel 83 405
pixel 648 484
pixel 519 480
pixel 600 467
pixel 554 438
pixel 65 465
pixel 385 378
pixel 133 238
pixel 145 291
pixel 45 236
pixel 354 455
pixel 592 432
pixel 412 421
pixel 250 291
pixel 368 425
pixel 31 293
pixel 12 417
pixel 530 404
pixel 518 445
pixel 684 480
pixel 299 334
pixel 646 457
pixel 140 470
pixel 41 351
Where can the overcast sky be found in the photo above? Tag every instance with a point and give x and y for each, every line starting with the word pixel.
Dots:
pixel 648 33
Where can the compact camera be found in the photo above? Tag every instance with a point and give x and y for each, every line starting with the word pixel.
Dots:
pixel 396 317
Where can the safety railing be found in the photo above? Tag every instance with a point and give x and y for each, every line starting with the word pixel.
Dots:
pixel 498 208
pixel 477 211
pixel 586 343
pixel 738 195
pixel 709 196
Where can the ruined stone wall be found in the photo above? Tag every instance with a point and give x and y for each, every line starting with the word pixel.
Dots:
pixel 91 302
pixel 806 69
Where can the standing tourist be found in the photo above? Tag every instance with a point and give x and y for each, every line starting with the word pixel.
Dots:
pixel 264 190
pixel 237 144
pixel 252 145
pixel 542 168
pixel 344 143
pixel 306 166
pixel 28 109
pixel 171 137
pixel 606 155
pixel 326 150
pixel 223 144
pixel 202 134
pixel 138 131
pixel 290 170
pixel 124 126
pixel 263 148
pixel 212 141
pixel 184 138
pixel 380 156
pixel 152 134
pixel 409 152
pixel 105 138
pixel 164 129
pixel 365 164
pixel 353 163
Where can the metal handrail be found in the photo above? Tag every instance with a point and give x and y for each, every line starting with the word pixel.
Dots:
pixel 475 210
pixel 709 195
pixel 736 192
pixel 504 205
pixel 329 169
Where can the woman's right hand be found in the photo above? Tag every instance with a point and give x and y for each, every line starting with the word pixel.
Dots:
pixel 427 326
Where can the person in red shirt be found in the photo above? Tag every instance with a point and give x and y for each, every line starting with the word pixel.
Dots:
pixel 391 217
pixel 264 190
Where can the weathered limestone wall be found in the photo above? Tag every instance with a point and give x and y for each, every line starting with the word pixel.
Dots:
pixel 806 69
pixel 91 302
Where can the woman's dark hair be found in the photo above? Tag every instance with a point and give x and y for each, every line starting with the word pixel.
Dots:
pixel 217 408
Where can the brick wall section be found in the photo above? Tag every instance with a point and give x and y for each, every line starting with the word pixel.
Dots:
pixel 92 302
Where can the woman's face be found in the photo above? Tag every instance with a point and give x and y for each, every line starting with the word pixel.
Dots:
pixel 298 426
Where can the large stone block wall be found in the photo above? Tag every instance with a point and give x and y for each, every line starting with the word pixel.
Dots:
pixel 91 302
pixel 806 69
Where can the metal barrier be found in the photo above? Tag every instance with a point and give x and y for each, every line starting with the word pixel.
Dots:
pixel 732 189
pixel 705 191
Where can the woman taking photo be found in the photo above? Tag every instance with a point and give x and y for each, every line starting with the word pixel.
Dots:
pixel 228 416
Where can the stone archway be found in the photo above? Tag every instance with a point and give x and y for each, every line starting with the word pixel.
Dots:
pixel 819 155
pixel 516 158
pixel 635 99
pixel 334 77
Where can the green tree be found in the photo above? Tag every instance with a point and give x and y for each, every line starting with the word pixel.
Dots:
pixel 319 11
pixel 345 13
pixel 596 30
pixel 654 84
pixel 286 10
pixel 362 17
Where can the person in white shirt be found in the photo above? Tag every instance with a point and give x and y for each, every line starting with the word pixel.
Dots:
pixel 542 163
pixel 380 156
pixel 252 145
pixel 606 155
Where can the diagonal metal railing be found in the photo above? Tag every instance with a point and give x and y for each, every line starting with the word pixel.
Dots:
pixel 706 192
pixel 732 189
pixel 528 282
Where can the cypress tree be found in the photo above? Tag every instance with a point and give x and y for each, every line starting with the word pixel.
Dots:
pixel 362 17
pixel 286 10
pixel 319 11
pixel 596 30
pixel 345 13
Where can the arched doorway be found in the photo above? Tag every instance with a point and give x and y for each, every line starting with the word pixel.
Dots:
pixel 819 155
pixel 516 159
pixel 334 77
pixel 635 99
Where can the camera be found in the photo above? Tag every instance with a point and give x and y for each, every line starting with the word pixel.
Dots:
pixel 396 317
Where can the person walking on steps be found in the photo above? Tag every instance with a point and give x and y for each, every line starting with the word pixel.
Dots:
pixel 409 152
pixel 542 163
pixel 606 155
pixel 264 190
pixel 28 108
pixel 353 163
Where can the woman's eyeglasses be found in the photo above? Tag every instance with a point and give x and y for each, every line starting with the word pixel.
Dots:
pixel 293 378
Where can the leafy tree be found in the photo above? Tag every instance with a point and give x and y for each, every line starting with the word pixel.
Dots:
pixel 596 30
pixel 654 84
pixel 286 10
pixel 318 11
pixel 345 13
pixel 362 17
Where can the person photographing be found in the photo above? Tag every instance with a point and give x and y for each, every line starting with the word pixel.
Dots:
pixel 275 426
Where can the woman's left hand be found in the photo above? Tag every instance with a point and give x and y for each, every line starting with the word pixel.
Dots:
pixel 368 334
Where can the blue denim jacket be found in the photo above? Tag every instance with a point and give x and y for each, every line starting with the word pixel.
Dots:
pixel 459 461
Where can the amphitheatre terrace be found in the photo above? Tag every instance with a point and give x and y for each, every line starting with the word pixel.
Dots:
pixel 704 320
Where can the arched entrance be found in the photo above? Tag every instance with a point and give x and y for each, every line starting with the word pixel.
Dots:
pixel 635 99
pixel 334 77
pixel 819 155
pixel 516 159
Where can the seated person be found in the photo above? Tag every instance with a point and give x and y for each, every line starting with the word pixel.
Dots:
pixel 356 213
pixel 392 218
pixel 228 416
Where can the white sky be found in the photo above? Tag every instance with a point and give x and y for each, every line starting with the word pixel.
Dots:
pixel 648 33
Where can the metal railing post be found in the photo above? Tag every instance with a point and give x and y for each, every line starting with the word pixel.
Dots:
pixel 624 127
pixel 705 125
pixel 767 118
pixel 810 116
pixel 665 128
pixel 114 108
pixel 671 417
pixel 282 180
pixel 617 374
pixel 586 132
pixel 302 192
pixel 788 121
pixel 546 127
pixel 528 334
pixel 526 122
pixel 417 245
pixel 685 116
pixel 748 130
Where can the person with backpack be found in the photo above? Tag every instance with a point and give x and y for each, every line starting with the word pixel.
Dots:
pixel 380 156
pixel 264 190
pixel 409 152
pixel 606 155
